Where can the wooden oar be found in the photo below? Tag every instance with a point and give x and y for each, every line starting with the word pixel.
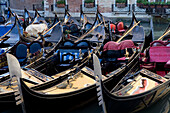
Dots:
pixel 48 30
pixel 128 31
pixel 73 36
pixel 164 35
pixel 88 32
pixel 15 73
pixel 98 77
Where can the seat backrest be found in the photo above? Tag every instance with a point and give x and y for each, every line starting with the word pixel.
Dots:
pixel 157 43
pixel 126 44
pixel 21 50
pixel 83 43
pixel 120 26
pixel 65 27
pixel 112 27
pixel 159 54
pixel 111 45
pixel 68 44
pixel 73 28
pixel 35 46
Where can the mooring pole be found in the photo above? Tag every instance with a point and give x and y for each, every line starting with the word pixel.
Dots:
pixel 151 25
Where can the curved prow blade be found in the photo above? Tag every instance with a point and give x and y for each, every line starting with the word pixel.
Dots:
pixel 13 65
pixel 15 74
pixel 98 76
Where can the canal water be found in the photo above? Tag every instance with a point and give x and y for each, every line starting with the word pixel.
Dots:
pixel 162 106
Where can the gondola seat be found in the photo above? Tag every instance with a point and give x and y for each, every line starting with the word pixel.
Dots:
pixel 35 51
pixel 67 61
pixel 35 46
pixel 21 51
pixel 113 51
pixel 113 55
pixel 113 28
pixel 83 44
pixel 120 27
pixel 71 51
pixel 65 28
pixel 74 30
pixel 158 58
pixel 68 43
pixel 73 48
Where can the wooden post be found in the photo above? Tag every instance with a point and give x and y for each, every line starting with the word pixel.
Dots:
pixel 46 8
pixel 54 2
pixel 151 25
pixel 82 5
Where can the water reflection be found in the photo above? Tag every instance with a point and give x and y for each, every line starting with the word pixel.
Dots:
pixel 162 106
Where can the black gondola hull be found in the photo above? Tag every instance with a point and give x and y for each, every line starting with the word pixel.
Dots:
pixel 134 103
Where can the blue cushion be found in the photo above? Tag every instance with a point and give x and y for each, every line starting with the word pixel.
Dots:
pixel 68 44
pixel 83 44
pixel 21 51
pixel 35 47
pixel 21 60
pixel 74 28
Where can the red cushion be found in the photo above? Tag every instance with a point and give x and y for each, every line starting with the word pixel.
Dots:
pixel 159 54
pixel 120 26
pixel 122 58
pixel 113 27
pixel 111 45
pixel 161 73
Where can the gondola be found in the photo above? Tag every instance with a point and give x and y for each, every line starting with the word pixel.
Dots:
pixel 30 52
pixel 35 27
pixel 7 37
pixel 118 29
pixel 45 63
pixel 71 27
pixel 27 18
pixel 46 34
pixel 9 44
pixel 85 21
pixel 142 86
pixel 7 99
pixel 69 53
pixel 54 93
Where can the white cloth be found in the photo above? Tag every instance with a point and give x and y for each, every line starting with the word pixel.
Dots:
pixel 34 29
